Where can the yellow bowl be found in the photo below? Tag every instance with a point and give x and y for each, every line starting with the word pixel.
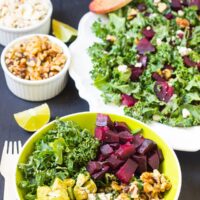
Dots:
pixel 170 166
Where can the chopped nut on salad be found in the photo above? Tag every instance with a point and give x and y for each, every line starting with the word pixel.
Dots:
pixel 36 58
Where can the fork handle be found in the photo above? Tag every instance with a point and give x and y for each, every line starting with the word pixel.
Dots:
pixel 9 190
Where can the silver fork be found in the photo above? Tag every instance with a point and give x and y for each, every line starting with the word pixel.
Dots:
pixel 8 163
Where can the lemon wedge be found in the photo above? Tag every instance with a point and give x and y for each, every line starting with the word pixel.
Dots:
pixel 63 31
pixel 34 118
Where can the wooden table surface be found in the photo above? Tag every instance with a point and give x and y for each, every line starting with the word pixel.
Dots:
pixel 69 102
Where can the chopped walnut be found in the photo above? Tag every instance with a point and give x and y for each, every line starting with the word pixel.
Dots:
pixel 132 13
pixel 155 184
pixel 183 23
pixel 111 38
pixel 35 58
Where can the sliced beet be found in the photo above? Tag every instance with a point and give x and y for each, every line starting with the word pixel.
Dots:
pixel 169 67
pixel 126 172
pixel 125 136
pixel 176 5
pixel 115 145
pixel 128 100
pixel 154 161
pixel 169 16
pixel 148 33
pixel 188 62
pixel 100 132
pixel 104 120
pixel 121 126
pixel 157 77
pixel 136 72
pixel 141 7
pixel 125 150
pixel 101 174
pixel 160 155
pixel 195 3
pixel 106 150
pixel 111 137
pixel 143 59
pixel 142 163
pixel 94 166
pixel 163 91
pixel 146 147
pixel 145 46
pixel 138 140
pixel 101 157
pixel 114 162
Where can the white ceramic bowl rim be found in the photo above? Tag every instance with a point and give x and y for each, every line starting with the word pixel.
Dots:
pixel 143 124
pixel 30 28
pixel 36 82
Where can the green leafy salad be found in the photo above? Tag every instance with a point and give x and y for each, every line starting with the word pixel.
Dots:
pixel 58 154
pixel 148 60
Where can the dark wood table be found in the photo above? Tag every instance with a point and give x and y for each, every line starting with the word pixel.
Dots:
pixel 69 102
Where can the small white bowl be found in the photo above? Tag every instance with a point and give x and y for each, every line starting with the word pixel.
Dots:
pixel 37 90
pixel 43 27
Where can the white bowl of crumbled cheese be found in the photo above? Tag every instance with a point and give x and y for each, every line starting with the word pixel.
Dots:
pixel 36 66
pixel 22 17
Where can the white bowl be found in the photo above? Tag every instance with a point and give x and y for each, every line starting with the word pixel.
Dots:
pixel 43 27
pixel 36 90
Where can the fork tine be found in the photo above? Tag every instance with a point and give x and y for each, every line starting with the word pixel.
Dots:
pixel 15 148
pixel 5 148
pixel 10 148
pixel 19 146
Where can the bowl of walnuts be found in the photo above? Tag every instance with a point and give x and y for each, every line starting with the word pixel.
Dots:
pixel 35 66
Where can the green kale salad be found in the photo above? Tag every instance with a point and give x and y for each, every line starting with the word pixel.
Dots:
pixel 148 60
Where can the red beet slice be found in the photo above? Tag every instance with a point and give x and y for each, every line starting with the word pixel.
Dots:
pixel 126 172
pixel 195 2
pixel 157 77
pixel 142 163
pixel 176 5
pixel 141 7
pixel 163 91
pixel 188 62
pixel 160 155
pixel 136 72
pixel 102 157
pixel 146 147
pixel 154 161
pixel 125 150
pixel 143 59
pixel 114 162
pixel 145 46
pixel 125 136
pixel 106 150
pixel 101 174
pixel 128 100
pixel 138 140
pixel 104 120
pixel 148 33
pixel 121 126
pixel 93 167
pixel 169 16
pixel 114 145
pixel 111 137
pixel 100 132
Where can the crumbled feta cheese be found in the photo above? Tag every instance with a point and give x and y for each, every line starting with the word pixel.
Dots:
pixel 148 28
pixel 158 41
pixel 156 2
pixel 180 13
pixel 22 14
pixel 162 7
pixel 122 68
pixel 173 38
pixel 184 51
pixel 185 113
pixel 138 64
pixel 179 32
